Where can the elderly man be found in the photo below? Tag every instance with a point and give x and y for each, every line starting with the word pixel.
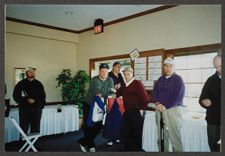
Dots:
pixel 30 95
pixel 168 94
pixel 135 101
pixel 210 100
pixel 102 86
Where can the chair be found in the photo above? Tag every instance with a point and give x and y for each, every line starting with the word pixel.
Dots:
pixel 30 138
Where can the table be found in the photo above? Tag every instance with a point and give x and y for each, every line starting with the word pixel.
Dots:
pixel 193 133
pixel 52 122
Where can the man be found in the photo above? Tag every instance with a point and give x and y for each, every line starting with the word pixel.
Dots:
pixel 102 86
pixel 168 94
pixel 116 75
pixel 135 100
pixel 210 100
pixel 30 95
pixel 118 81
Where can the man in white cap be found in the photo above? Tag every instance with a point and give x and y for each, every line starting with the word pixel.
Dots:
pixel 168 94
pixel 210 99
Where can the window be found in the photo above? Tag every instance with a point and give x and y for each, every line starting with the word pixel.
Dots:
pixel 195 70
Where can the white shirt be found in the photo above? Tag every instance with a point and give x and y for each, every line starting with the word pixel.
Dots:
pixel 128 83
pixel 168 76
pixel 101 78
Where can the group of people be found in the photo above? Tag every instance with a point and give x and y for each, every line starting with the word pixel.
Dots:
pixel 168 94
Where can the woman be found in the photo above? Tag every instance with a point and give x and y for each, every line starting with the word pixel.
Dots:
pixel 135 102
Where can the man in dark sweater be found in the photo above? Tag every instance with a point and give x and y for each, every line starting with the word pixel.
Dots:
pixel 210 100
pixel 30 95
pixel 102 86
pixel 135 102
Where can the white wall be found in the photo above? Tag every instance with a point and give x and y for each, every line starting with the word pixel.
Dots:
pixel 177 27
pixel 47 50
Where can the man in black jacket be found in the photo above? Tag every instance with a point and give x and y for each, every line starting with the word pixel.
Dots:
pixel 30 95
pixel 210 100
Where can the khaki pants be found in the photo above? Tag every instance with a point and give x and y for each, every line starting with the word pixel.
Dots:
pixel 172 128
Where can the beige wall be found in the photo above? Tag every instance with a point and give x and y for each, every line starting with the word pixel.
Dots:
pixel 47 50
pixel 50 50
pixel 181 26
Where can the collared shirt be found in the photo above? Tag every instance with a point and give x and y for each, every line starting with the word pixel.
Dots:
pixel 128 83
pixel 168 76
pixel 116 80
pixel 101 78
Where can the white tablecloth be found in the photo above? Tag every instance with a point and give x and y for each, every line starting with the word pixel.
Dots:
pixel 193 132
pixel 52 122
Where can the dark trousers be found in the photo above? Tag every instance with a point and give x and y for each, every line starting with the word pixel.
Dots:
pixel 90 133
pixel 213 132
pixel 131 130
pixel 30 117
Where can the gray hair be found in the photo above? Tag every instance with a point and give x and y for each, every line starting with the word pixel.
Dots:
pixel 219 53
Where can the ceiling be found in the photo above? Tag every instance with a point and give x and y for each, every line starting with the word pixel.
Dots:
pixel 73 17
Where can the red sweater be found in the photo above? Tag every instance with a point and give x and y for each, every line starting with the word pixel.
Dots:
pixel 134 95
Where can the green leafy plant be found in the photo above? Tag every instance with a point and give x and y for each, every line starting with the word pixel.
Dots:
pixel 73 88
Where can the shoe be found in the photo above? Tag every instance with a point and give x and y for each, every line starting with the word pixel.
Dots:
pixel 118 141
pixel 82 148
pixel 92 149
pixel 110 143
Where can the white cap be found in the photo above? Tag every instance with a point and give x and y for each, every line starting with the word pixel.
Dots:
pixel 30 69
pixel 169 60
pixel 128 69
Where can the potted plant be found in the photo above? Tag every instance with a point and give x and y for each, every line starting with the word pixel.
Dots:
pixel 73 88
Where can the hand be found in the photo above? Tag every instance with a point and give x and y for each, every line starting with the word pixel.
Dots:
pixel 141 112
pixel 113 90
pixel 30 101
pixel 100 95
pixel 206 102
pixel 117 86
pixel 160 107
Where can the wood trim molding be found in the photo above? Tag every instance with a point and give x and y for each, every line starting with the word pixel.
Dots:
pixel 142 54
pixel 161 8
pixel 169 52
pixel 193 50
pixel 40 25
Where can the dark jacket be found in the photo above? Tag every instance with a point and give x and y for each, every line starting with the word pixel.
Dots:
pixel 117 80
pixel 212 91
pixel 26 89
